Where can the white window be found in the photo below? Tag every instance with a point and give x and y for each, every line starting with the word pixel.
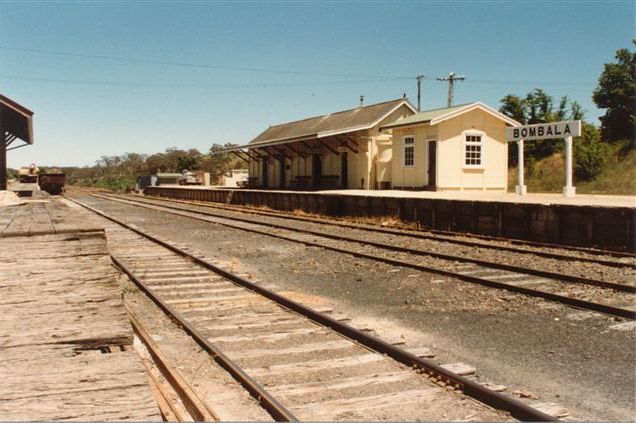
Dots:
pixel 409 151
pixel 473 151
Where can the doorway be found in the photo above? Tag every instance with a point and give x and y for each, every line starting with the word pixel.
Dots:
pixel 264 171
pixel 344 170
pixel 281 166
pixel 432 165
pixel 316 170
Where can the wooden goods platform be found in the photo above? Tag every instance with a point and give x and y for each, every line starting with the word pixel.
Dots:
pixel 65 338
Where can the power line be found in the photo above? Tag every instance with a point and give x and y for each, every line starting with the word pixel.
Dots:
pixel 419 78
pixel 195 65
pixel 184 85
pixel 451 78
pixel 537 83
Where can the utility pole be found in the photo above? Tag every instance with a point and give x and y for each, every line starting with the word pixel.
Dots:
pixel 419 87
pixel 451 78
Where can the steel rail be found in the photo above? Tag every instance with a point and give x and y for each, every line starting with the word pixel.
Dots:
pixel 473 389
pixel 269 403
pixel 574 302
pixel 406 232
pixel 195 405
pixel 484 263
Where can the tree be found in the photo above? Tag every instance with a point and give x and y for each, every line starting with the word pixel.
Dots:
pixel 513 107
pixel 537 107
pixel 616 92
pixel 156 163
pixel 576 111
pixel 590 153
pixel 219 163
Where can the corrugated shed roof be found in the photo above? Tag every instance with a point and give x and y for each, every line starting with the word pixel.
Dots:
pixel 16 119
pixel 425 116
pixel 333 123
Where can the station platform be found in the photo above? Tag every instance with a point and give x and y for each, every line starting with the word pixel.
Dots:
pixel 601 221
pixel 66 340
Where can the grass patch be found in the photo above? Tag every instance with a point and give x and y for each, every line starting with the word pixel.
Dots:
pixel 618 176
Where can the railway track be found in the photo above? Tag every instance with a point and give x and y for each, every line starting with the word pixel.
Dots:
pixel 548 250
pixel 176 398
pixel 615 299
pixel 300 364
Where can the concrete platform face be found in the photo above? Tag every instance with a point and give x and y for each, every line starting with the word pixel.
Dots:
pixel 529 198
pixel 65 344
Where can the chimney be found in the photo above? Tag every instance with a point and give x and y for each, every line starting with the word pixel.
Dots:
pixel 361 101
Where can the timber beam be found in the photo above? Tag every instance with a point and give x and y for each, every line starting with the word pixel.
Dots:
pixel 240 156
pixel 281 152
pixel 328 147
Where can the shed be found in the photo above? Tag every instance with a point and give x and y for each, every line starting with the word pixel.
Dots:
pixel 168 178
pixel 459 148
pixel 343 149
pixel 16 123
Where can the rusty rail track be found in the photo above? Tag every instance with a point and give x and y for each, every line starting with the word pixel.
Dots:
pixel 431 234
pixel 485 263
pixel 435 372
pixel 563 299
pixel 197 408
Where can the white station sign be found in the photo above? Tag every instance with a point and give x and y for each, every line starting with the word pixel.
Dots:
pixel 539 131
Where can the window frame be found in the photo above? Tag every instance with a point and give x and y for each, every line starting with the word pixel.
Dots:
pixel 466 144
pixel 411 146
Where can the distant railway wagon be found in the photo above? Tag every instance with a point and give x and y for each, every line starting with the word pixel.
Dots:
pixel 53 183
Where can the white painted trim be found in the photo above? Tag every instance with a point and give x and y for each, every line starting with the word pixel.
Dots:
pixel 482 143
pixel 404 150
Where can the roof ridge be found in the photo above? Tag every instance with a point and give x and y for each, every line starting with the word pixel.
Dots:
pixel 338 112
pixel 370 105
pixel 451 107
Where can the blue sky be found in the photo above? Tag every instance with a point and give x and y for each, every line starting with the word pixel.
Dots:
pixel 197 73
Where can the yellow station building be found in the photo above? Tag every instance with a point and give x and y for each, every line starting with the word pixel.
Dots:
pixel 460 148
pixel 387 145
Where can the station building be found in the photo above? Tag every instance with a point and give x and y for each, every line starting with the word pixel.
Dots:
pixel 386 145
pixel 460 148
pixel 340 150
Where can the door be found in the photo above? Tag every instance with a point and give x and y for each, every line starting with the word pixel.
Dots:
pixel 281 166
pixel 432 164
pixel 344 170
pixel 316 170
pixel 264 171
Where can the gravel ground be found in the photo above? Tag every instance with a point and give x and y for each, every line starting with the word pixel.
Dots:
pixel 581 269
pixel 578 359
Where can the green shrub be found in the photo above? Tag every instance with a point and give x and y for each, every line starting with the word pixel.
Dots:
pixel 590 154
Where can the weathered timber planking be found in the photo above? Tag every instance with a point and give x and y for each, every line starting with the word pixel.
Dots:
pixel 51 216
pixel 36 378
pixel 61 307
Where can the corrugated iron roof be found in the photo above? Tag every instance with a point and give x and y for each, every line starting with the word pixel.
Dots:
pixel 425 116
pixel 16 119
pixel 331 124
pixel 435 116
